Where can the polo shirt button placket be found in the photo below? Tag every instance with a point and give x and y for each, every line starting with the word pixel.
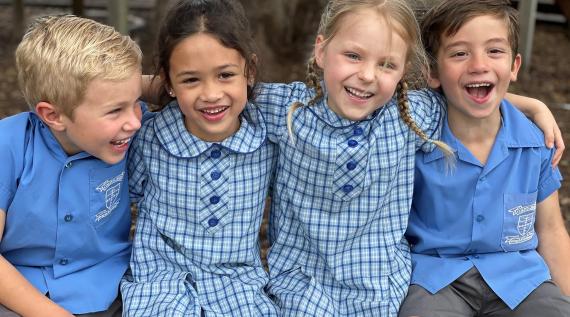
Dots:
pixel 68 165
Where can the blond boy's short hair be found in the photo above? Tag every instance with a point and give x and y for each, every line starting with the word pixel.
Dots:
pixel 60 55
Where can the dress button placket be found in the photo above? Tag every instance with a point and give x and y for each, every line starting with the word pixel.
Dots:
pixel 214 187
pixel 349 172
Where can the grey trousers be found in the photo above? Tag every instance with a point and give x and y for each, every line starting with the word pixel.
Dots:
pixel 470 295
pixel 115 310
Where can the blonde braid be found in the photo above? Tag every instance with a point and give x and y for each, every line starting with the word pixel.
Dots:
pixel 404 109
pixel 313 80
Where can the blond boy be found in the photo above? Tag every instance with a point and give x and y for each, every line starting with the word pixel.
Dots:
pixel 64 205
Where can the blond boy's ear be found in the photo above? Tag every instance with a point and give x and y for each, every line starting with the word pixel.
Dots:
pixel 50 115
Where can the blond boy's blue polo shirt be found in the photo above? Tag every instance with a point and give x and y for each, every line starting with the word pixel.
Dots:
pixel 67 218
pixel 483 215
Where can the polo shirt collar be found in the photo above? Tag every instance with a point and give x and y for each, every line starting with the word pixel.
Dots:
pixel 175 138
pixel 515 132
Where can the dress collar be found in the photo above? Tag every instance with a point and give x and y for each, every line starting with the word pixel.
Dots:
pixel 175 138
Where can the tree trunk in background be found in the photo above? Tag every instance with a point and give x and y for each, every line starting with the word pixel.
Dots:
pixel 284 32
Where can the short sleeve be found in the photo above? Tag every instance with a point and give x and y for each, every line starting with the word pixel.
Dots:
pixel 15 132
pixel 550 178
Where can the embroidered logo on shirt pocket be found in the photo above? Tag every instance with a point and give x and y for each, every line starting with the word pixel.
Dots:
pixel 518 222
pixel 106 193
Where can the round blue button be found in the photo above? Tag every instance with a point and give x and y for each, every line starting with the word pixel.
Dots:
pixel 215 199
pixel 68 165
pixel 358 131
pixel 63 261
pixel 480 218
pixel 347 188
pixel 216 175
pixel 351 165
pixel 215 154
pixel 352 143
pixel 68 218
pixel 212 222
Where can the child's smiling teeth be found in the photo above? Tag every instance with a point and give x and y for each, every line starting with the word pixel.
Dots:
pixel 358 93
pixel 213 111
pixel 121 142
pixel 478 90
pixel 477 85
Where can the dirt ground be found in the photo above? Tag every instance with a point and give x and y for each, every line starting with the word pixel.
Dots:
pixel 548 78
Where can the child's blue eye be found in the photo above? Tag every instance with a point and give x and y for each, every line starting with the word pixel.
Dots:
pixel 352 56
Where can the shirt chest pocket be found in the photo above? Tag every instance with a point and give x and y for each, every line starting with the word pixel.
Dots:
pixel 519 214
pixel 108 194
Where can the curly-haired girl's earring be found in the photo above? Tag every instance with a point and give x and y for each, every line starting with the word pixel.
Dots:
pixel 171 93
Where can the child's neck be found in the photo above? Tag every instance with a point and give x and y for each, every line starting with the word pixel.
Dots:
pixel 477 135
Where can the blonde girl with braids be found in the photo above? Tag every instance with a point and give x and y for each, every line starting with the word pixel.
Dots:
pixel 345 172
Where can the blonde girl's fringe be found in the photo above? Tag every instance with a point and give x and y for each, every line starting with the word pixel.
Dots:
pixel 404 109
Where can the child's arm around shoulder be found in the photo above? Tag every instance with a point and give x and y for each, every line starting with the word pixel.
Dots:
pixel 18 295
pixel 274 101
pixel 553 241
pixel 539 113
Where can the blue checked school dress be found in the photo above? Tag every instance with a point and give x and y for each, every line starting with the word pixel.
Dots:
pixel 196 249
pixel 341 202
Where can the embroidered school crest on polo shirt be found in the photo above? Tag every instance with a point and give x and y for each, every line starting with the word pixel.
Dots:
pixel 112 189
pixel 525 223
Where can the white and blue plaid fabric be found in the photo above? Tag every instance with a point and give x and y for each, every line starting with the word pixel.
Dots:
pixel 341 203
pixel 196 249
